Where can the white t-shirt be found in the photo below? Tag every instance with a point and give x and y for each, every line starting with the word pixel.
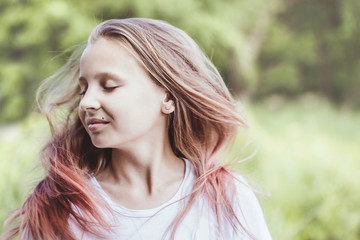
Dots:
pixel 199 224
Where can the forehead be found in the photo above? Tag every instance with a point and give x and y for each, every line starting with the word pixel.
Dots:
pixel 105 46
pixel 107 57
pixel 107 54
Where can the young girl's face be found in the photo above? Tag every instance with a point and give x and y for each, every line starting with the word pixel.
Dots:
pixel 120 105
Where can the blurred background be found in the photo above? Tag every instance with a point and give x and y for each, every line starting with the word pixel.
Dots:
pixel 294 65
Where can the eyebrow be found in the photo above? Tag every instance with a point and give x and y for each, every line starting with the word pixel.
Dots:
pixel 103 76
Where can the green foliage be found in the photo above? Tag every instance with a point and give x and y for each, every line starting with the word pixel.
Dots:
pixel 19 147
pixel 308 163
pixel 318 38
pixel 283 77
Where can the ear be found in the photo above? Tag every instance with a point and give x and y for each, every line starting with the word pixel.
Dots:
pixel 168 105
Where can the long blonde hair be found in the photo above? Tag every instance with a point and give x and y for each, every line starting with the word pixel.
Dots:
pixel 204 123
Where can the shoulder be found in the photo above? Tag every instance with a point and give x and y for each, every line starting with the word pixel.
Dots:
pixel 248 210
pixel 244 204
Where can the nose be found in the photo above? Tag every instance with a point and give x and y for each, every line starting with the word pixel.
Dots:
pixel 89 101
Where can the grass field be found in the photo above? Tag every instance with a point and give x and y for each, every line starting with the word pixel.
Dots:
pixel 307 160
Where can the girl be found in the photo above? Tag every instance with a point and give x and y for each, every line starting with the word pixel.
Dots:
pixel 142 120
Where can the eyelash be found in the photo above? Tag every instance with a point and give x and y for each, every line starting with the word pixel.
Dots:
pixel 107 89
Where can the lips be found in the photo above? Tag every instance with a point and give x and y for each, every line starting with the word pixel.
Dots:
pixel 95 124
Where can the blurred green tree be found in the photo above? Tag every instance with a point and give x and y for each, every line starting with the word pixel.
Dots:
pixel 319 39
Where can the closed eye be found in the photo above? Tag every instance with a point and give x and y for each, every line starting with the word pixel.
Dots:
pixel 109 89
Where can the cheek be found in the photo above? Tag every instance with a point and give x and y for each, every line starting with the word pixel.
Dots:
pixel 148 103
pixel 136 110
pixel 134 105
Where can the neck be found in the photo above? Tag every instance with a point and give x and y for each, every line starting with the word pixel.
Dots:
pixel 146 167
